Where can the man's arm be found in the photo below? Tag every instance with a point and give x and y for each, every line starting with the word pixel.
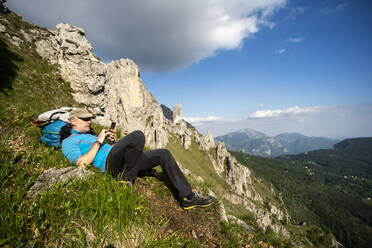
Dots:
pixel 88 157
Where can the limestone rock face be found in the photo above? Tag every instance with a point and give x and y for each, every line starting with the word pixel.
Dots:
pixel 186 141
pixel 177 114
pixel 237 175
pixel 2 28
pixel 68 47
pixel 113 92
pixel 264 218
pixel 207 142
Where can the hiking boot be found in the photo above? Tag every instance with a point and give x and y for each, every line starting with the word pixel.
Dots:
pixel 198 200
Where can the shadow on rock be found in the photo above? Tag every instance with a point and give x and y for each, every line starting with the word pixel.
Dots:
pixel 8 67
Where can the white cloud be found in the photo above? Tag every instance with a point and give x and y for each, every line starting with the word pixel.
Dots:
pixel 289 111
pixel 157 35
pixel 331 10
pixel 327 121
pixel 296 40
pixel 198 121
pixel 341 6
pixel 294 12
pixel 281 51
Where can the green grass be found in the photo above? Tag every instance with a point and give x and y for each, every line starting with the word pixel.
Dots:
pixel 198 162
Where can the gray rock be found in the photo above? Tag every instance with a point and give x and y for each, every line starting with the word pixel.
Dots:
pixel 53 176
pixel 240 222
pixel 15 40
pixel 2 28
pixel 207 142
pixel 28 37
pixel 177 114
pixel 222 212
pixel 186 141
pixel 263 218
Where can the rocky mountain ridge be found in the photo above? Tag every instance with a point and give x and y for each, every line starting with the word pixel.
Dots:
pixel 259 144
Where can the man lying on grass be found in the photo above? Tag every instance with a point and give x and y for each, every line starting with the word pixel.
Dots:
pixel 126 159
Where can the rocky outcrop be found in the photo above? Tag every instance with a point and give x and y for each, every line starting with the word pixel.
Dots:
pixel 177 114
pixel 68 47
pixel 12 37
pixel 222 213
pixel 237 175
pixel 264 218
pixel 2 28
pixel 240 222
pixel 54 176
pixel 207 142
pixel 113 92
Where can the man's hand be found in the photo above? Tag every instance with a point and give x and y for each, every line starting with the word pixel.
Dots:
pixel 111 134
pixel 102 136
pixel 84 166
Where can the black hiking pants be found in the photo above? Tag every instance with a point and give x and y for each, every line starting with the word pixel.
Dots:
pixel 127 159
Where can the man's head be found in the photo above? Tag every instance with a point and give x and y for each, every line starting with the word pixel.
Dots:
pixel 80 119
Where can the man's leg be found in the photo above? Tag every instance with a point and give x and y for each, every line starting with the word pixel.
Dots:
pixel 162 157
pixel 127 159
pixel 125 153
pixel 150 159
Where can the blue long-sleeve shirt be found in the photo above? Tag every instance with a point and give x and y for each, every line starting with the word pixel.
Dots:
pixel 77 144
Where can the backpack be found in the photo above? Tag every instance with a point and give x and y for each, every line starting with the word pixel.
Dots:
pixel 51 123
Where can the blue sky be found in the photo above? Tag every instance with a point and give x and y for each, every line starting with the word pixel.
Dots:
pixel 327 61
pixel 272 65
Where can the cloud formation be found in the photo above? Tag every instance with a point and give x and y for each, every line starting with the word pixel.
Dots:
pixel 328 121
pixel 281 51
pixel 331 10
pixel 289 111
pixel 294 12
pixel 198 121
pixel 157 35
pixel 295 40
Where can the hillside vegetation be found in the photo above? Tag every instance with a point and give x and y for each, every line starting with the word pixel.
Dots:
pixel 331 188
pixel 99 211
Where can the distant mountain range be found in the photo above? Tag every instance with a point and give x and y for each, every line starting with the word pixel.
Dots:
pixel 259 144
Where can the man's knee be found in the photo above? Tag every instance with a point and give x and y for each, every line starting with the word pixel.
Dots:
pixel 165 151
pixel 139 135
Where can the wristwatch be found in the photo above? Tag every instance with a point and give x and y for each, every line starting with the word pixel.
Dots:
pixel 100 144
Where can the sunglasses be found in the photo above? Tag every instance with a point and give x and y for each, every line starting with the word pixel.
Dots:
pixel 85 119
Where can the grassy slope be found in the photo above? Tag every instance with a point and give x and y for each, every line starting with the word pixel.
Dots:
pixel 98 211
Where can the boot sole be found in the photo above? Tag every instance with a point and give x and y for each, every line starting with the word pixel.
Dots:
pixel 196 206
